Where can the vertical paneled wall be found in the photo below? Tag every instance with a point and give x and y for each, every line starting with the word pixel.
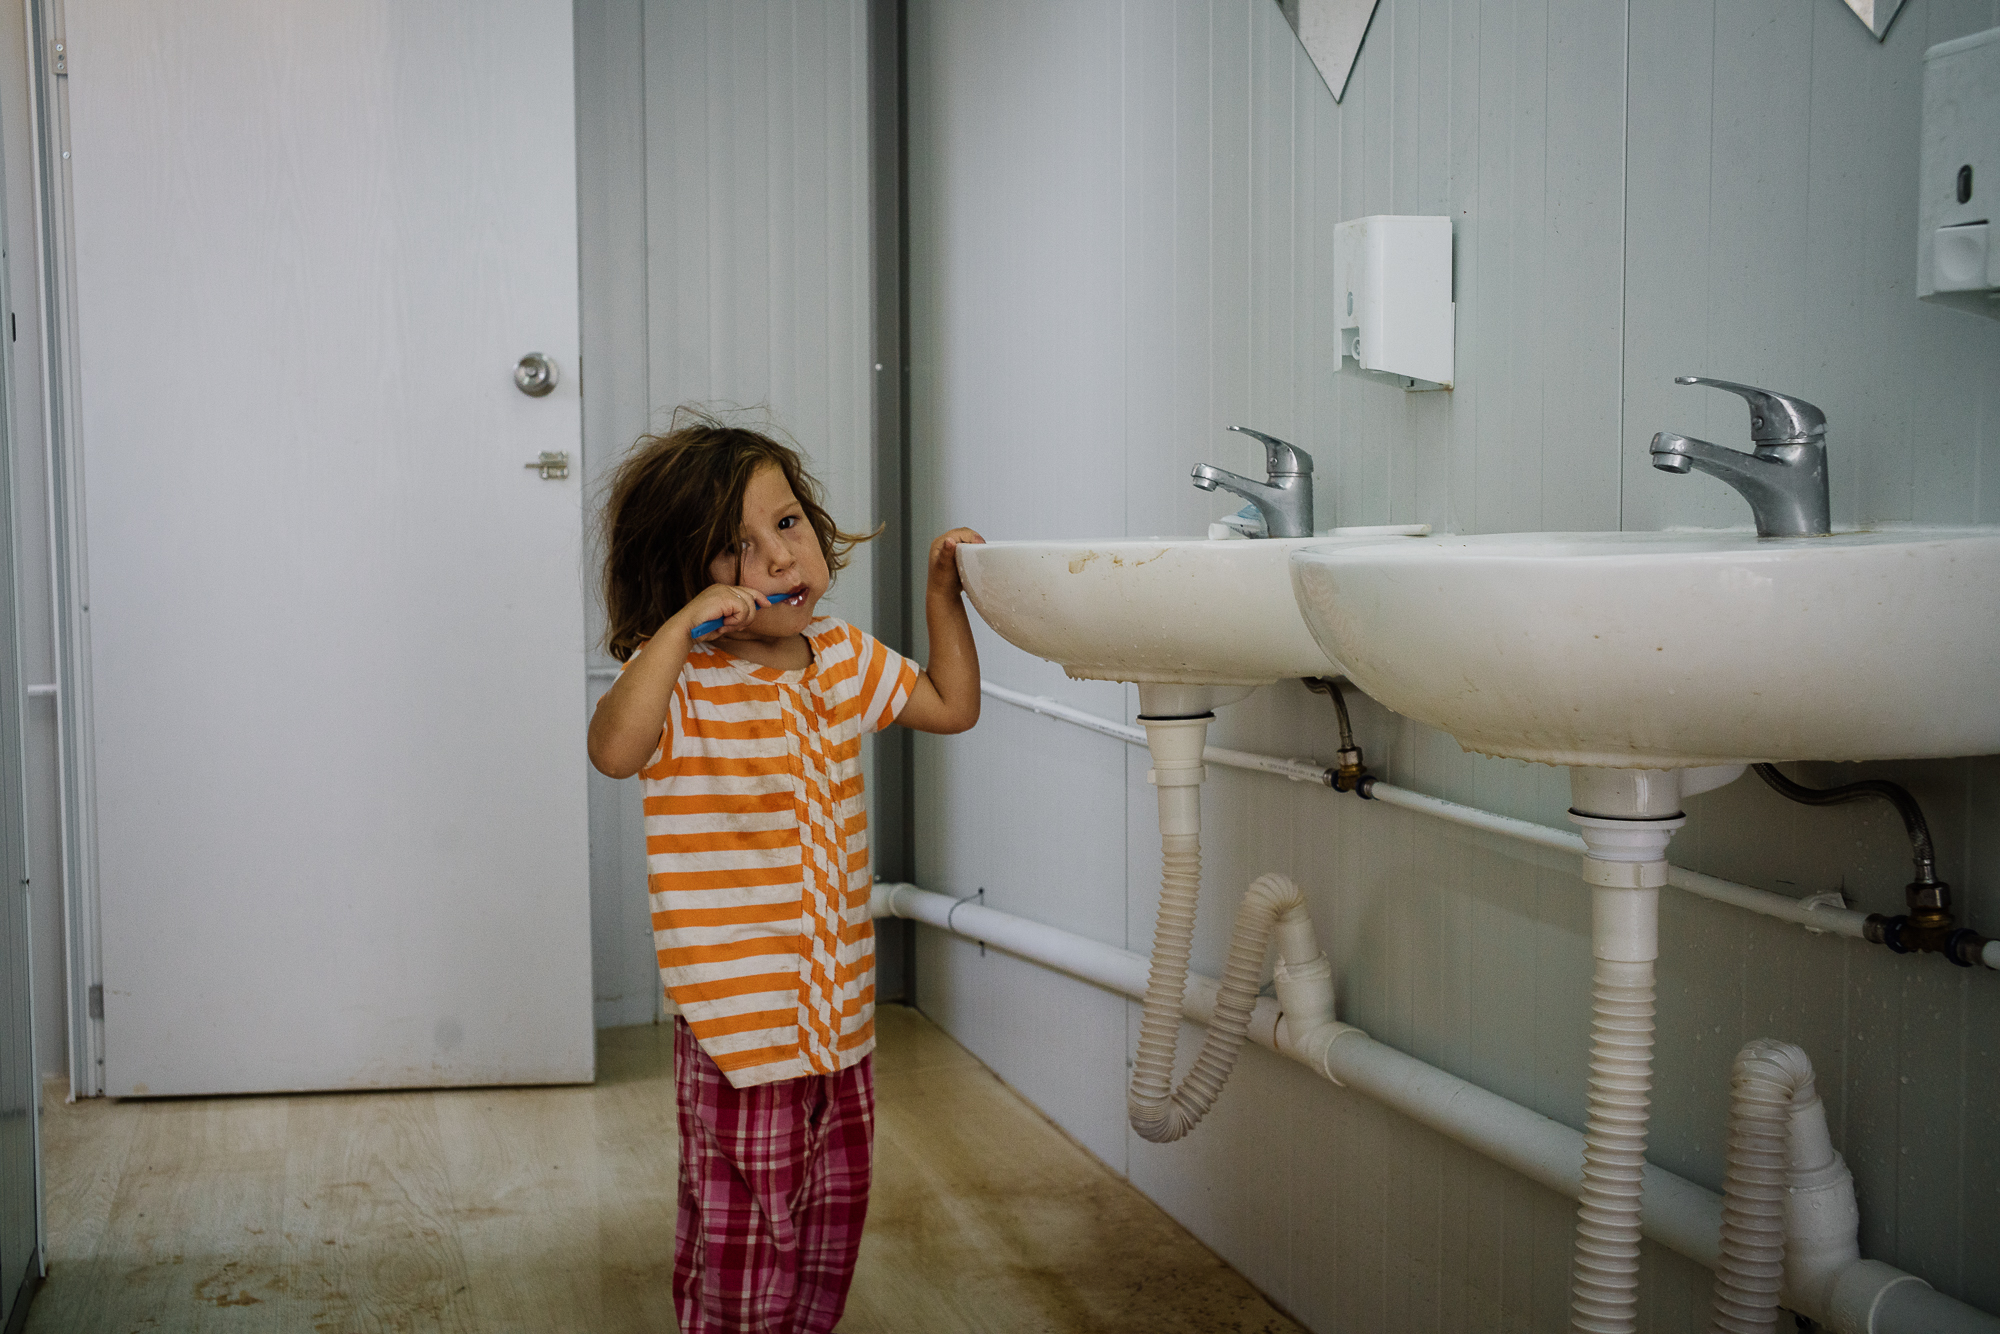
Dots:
pixel 726 261
pixel 1121 217
pixel 758 277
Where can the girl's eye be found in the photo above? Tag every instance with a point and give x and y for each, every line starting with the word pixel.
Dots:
pixel 788 521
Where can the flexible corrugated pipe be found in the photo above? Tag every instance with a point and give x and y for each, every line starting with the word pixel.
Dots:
pixel 1606 1278
pixel 1157 1110
pixel 1625 865
pixel 1785 1187
pixel 1163 1117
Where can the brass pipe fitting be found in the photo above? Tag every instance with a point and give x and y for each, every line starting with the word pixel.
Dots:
pixel 1351 774
pixel 1927 928
pixel 1350 771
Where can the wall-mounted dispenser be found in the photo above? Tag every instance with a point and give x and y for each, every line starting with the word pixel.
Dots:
pixel 1958 227
pixel 1392 286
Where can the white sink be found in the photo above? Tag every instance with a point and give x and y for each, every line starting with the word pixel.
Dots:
pixel 1670 650
pixel 1167 610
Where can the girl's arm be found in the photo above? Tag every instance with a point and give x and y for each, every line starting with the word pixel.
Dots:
pixel 946 696
pixel 625 729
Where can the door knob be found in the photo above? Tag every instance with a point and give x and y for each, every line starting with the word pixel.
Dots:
pixel 535 374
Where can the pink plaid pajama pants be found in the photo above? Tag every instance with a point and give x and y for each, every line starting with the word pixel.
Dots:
pixel 773 1192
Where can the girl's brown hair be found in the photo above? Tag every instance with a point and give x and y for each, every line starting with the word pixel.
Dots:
pixel 674 504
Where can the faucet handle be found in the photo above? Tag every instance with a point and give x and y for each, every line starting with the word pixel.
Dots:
pixel 1775 419
pixel 1280 459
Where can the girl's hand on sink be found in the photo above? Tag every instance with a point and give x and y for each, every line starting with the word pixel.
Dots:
pixel 946 695
pixel 944 561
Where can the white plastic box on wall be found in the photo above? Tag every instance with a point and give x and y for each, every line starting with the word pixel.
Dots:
pixel 1392 286
pixel 1958 227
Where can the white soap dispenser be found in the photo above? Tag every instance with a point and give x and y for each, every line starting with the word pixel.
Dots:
pixel 1392 286
pixel 1958 226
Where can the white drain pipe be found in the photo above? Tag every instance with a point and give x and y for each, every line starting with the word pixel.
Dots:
pixel 1305 1000
pixel 1866 1296
pixel 1158 1111
pixel 1788 1213
pixel 1790 1224
pixel 1631 816
pixel 1627 817
pixel 1176 720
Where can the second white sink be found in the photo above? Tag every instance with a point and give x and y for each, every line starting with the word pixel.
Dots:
pixel 1670 650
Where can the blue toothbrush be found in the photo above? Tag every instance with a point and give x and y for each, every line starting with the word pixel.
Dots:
pixel 716 624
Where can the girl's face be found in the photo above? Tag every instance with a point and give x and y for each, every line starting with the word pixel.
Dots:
pixel 777 554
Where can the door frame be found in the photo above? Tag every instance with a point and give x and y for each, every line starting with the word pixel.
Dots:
pixel 15 859
pixel 68 567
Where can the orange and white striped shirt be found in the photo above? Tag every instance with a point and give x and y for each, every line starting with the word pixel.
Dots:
pixel 757 852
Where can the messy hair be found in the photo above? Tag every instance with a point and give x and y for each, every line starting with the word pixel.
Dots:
pixel 675 503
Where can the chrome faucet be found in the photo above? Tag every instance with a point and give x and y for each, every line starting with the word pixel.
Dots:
pixel 1284 498
pixel 1784 480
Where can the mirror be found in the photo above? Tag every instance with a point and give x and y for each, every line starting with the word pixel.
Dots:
pixel 1332 31
pixel 1877 14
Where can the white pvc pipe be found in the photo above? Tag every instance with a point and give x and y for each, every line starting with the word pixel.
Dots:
pixel 1527 831
pixel 1678 1213
pixel 1299 771
pixel 1869 1297
pixel 1882 1300
pixel 1821 917
pixel 1080 957
pixel 1827 919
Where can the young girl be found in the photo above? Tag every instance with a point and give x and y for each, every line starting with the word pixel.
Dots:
pixel 748 736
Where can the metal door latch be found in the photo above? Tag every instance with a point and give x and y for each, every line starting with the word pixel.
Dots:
pixel 553 465
pixel 535 375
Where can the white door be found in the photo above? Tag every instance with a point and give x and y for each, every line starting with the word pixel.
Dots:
pixel 336 627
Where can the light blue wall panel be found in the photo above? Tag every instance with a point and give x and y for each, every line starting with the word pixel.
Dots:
pixel 1122 219
pixel 759 264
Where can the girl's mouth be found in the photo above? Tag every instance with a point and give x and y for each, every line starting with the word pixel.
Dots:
pixel 794 598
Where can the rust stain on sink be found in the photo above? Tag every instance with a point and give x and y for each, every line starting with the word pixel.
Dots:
pixel 1077 563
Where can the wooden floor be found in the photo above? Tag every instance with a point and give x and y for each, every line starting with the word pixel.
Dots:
pixel 553 1210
